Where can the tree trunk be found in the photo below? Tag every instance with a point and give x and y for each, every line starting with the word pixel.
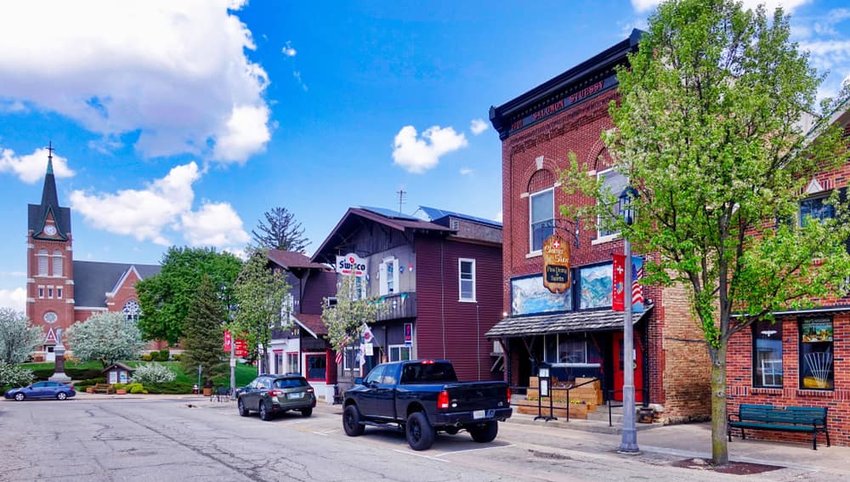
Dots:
pixel 719 447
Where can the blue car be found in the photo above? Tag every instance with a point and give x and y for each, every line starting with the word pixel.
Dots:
pixel 56 390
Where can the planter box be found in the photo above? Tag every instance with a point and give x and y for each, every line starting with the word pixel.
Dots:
pixel 89 389
pixel 207 391
pixel 121 391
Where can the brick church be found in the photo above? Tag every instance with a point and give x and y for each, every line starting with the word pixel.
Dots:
pixel 62 291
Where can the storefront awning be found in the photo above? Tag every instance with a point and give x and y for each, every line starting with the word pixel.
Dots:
pixel 571 322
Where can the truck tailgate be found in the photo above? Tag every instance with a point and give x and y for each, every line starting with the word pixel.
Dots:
pixel 471 396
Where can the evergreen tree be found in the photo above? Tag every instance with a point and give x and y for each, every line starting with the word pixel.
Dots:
pixel 280 231
pixel 204 333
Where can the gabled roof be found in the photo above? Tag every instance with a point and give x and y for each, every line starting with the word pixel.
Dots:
pixel 313 324
pixel 291 259
pixel 118 365
pixel 94 279
pixel 355 217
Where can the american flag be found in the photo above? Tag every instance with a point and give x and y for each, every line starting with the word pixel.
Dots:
pixel 341 351
pixel 637 290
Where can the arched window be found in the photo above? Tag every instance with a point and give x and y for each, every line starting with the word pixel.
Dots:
pixel 132 310
pixel 42 262
pixel 57 263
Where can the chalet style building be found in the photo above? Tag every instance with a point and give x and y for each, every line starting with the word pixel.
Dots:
pixel 437 278
pixel 304 349
pixel 62 291
pixel 576 331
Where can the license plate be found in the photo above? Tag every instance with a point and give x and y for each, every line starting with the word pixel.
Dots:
pixel 479 414
pixel 296 395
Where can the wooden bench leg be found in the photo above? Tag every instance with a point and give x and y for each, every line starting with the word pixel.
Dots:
pixel 815 440
pixel 827 437
pixel 743 437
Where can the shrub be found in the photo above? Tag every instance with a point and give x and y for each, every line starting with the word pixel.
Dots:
pixel 154 356
pixel 154 373
pixel 172 388
pixel 147 357
pixel 14 375
pixel 176 357
pixel 164 354
pixel 136 388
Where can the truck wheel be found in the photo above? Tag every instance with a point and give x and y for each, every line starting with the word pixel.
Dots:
pixel 351 421
pixel 484 433
pixel 420 433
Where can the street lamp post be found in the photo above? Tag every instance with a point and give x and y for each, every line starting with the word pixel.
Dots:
pixel 628 444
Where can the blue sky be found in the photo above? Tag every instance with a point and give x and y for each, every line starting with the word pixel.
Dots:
pixel 183 124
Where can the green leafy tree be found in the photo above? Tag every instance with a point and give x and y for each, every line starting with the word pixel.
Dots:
pixel 106 337
pixel 262 305
pixel 166 297
pixel 204 333
pixel 18 338
pixel 280 230
pixel 346 320
pixel 708 131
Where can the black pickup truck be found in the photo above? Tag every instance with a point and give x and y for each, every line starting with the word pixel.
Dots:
pixel 423 397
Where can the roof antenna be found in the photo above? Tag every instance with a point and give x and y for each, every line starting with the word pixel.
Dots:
pixel 401 192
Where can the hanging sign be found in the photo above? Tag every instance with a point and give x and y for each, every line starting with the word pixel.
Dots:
pixel 619 286
pixel 556 264
pixel 408 333
pixel 351 264
pixel 228 339
pixel 241 348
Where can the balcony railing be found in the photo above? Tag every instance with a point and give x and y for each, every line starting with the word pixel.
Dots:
pixel 396 306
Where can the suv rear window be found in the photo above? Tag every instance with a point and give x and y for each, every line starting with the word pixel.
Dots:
pixel 428 373
pixel 290 382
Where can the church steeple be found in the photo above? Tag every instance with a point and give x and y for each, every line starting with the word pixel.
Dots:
pixel 49 198
pixel 49 209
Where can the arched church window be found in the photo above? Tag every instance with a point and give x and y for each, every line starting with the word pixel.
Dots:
pixel 42 262
pixel 57 263
pixel 132 310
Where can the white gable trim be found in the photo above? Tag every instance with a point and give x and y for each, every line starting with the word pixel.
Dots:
pixel 122 279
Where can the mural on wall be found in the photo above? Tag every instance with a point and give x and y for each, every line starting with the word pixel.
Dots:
pixel 596 284
pixel 528 295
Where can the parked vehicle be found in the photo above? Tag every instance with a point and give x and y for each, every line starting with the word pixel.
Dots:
pixel 424 397
pixel 273 394
pixel 56 390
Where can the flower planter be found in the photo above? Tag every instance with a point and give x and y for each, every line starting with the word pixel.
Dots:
pixel 121 391
pixel 89 389
pixel 207 391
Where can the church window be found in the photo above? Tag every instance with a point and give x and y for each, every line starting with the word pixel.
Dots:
pixel 50 292
pixel 132 310
pixel 57 263
pixel 41 292
pixel 59 292
pixel 42 262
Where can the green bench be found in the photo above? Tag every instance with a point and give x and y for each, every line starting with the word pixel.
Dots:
pixel 790 419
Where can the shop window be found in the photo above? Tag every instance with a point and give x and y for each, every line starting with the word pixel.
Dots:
pixel 815 208
pixel 614 183
pixel 571 350
pixel 550 353
pixel 316 367
pixel 57 263
pixel 399 353
pixel 816 354
pixel 541 218
pixel 466 268
pixel 389 276
pixel 42 262
pixel 767 354
pixel 292 363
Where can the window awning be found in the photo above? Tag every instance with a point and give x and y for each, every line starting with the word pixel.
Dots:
pixel 570 322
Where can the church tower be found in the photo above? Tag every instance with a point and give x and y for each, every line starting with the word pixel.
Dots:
pixel 50 285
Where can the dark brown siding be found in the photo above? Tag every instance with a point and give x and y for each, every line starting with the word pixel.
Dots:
pixel 445 327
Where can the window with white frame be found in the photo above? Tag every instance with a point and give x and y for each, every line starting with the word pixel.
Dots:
pixel 389 276
pixel 541 218
pixel 57 263
pixel 43 258
pixel 349 360
pixel 399 352
pixel 614 183
pixel 50 292
pixel 41 292
pixel 466 279
pixel 292 363
pixel 59 292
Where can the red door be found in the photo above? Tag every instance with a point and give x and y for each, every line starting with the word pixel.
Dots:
pixel 618 368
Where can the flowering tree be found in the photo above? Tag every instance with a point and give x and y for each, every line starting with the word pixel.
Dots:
pixel 351 313
pixel 17 337
pixel 107 337
pixel 153 373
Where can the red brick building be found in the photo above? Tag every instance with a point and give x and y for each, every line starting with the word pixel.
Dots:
pixel 577 331
pixel 804 358
pixel 61 291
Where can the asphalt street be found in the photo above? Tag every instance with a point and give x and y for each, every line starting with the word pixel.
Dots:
pixel 165 439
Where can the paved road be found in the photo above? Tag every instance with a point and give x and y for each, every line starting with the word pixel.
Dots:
pixel 166 439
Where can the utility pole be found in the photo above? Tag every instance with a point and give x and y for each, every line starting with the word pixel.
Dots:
pixel 628 444
pixel 401 192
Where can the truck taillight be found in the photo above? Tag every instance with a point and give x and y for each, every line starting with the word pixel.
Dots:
pixel 508 394
pixel 443 400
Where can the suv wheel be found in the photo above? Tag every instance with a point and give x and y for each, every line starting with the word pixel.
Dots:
pixel 420 433
pixel 265 412
pixel 484 433
pixel 242 410
pixel 306 412
pixel 351 421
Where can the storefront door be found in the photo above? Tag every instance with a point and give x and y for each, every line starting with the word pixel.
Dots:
pixel 618 368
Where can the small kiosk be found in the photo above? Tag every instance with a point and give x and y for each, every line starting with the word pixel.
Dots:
pixel 118 373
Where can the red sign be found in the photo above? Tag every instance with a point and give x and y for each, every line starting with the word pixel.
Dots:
pixel 408 333
pixel 618 283
pixel 227 341
pixel 241 348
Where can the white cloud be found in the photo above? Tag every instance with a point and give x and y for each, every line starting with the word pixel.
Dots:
pixel 477 126
pixel 141 213
pixel 288 51
pixel 32 167
pixel 465 171
pixel 175 72
pixel 418 154
pixel 215 224
pixel 13 298
pixel 770 5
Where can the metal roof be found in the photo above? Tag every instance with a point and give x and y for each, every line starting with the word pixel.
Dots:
pixel 568 322
pixel 434 214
